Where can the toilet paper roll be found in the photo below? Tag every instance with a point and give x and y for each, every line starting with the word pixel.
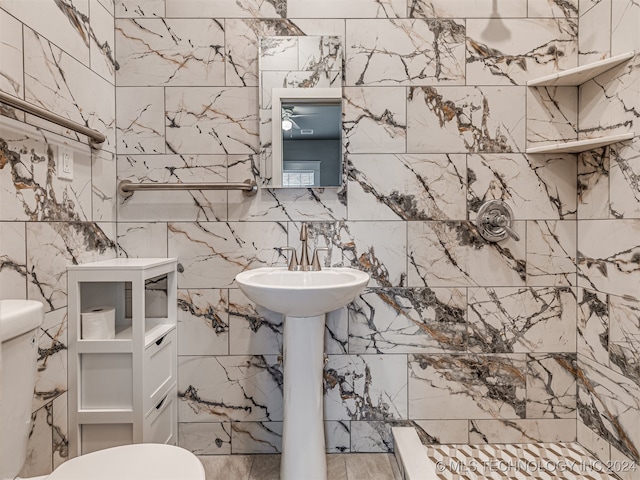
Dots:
pixel 98 323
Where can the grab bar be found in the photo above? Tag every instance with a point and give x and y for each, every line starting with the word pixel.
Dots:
pixel 126 187
pixel 95 137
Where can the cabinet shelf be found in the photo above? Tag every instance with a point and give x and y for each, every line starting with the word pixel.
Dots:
pixel 155 328
pixel 581 145
pixel 579 75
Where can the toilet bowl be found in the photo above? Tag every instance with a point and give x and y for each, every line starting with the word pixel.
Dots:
pixel 19 322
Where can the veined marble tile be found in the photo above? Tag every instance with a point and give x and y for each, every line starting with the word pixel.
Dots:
pixel 203 322
pixel 551 253
pixel 450 254
pixel 140 120
pixel 212 120
pixel 59 83
pixel 594 25
pixel 65 23
pixel 625 16
pixel 610 266
pixel 624 466
pixel 465 119
pixel 142 239
pixel 591 441
pixel 552 115
pixel 187 205
pixel 225 9
pixel 211 254
pixel 624 178
pixel 593 184
pixel 103 186
pixel 619 86
pixel 466 8
pixel 374 119
pixel 158 52
pixel 51 246
pixel 60 431
pixel 522 431
pixel 13 260
pixel 29 186
pixel 405 52
pixel 550 45
pixel 296 79
pixel 553 8
pixel 205 438
pixel 415 320
pixel 278 53
pixel 515 320
pixel 139 8
pixel 467 386
pixel 341 9
pixel 609 404
pixel 253 330
pixel 256 437
pixel 593 325
pixel 11 56
pixel 102 46
pixel 624 337
pixel 535 186
pixel 109 5
pixel 437 432
pixel 407 187
pixel 223 388
pixel 39 459
pixel 320 53
pixel 51 372
pixel 365 387
pixel 336 331
pixel 338 436
pixel 371 437
pixel 551 385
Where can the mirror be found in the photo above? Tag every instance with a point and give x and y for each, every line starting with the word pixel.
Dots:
pixel 301 111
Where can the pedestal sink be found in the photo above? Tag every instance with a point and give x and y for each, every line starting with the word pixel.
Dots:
pixel 303 297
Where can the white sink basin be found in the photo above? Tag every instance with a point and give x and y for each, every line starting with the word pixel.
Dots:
pixel 302 294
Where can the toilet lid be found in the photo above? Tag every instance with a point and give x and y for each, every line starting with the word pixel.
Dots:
pixel 145 461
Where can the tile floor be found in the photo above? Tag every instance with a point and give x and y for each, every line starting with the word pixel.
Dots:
pixel 351 466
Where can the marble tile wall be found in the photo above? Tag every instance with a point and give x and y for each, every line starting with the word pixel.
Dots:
pixel 469 341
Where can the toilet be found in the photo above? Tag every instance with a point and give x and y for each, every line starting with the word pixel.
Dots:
pixel 19 322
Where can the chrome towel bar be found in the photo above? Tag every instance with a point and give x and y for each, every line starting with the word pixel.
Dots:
pixel 126 187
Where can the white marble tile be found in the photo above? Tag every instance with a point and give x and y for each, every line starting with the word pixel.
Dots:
pixel 594 443
pixel 225 9
pixel 205 438
pixel 450 254
pixel 320 53
pixel 109 5
pixel 237 388
pixel 39 460
pixel 522 431
pixel 551 385
pixel 158 52
pixel 467 8
pixel 51 370
pixel 278 53
pixel 186 205
pixel 295 79
pixel 593 326
pixel 624 337
pixel 553 8
pixel 140 120
pixel 203 322
pixel 341 9
pixel 211 254
pixel 212 120
pixel 549 46
pixel 609 266
pixel 552 115
pixel 142 239
pixel 407 187
pixel 515 320
pixel 11 55
pixel 365 387
pixel 371 437
pixel 594 25
pixel 594 184
pixel 623 179
pixel 467 386
pixel 405 52
pixel 103 186
pixel 256 437
pixel 102 46
pixel 253 330
pixel 139 8
pixel 551 253
pixel 60 431
pixel 13 260
pixel 59 83
pixel 417 320
pixel 625 16
pixel 337 436
pixel 534 186
pixel 623 465
pixel 466 119
pixel 374 119
pixel 436 432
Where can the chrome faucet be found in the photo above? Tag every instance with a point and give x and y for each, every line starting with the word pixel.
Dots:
pixel 303 264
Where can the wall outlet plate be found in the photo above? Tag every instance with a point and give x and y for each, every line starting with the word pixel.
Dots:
pixel 64 162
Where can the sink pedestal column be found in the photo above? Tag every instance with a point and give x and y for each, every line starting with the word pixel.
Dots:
pixel 303 445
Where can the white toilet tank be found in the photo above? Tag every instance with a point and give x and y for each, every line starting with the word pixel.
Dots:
pixel 19 322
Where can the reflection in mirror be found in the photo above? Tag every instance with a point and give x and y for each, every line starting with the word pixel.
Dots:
pixel 307 138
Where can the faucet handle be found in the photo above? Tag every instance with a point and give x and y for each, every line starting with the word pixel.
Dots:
pixel 293 261
pixel 315 263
